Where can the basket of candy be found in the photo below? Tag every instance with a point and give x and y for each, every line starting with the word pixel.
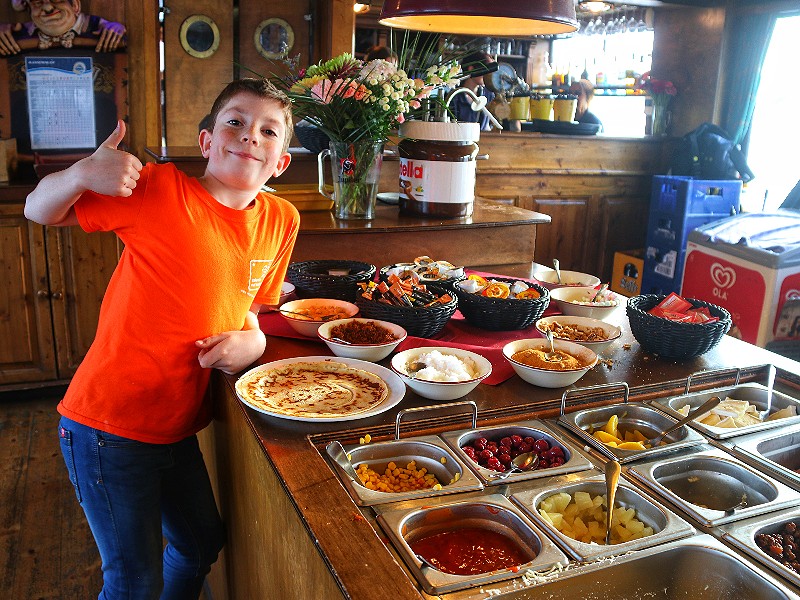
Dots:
pixel 426 270
pixel 674 327
pixel 329 278
pixel 422 310
pixel 501 304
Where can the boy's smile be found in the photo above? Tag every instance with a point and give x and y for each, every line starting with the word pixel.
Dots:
pixel 244 150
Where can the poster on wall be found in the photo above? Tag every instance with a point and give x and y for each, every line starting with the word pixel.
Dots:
pixel 60 102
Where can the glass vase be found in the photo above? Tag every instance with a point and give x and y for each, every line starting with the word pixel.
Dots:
pixel 356 170
pixel 660 116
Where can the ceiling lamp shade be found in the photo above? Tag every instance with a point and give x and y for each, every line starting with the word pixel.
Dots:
pixel 510 18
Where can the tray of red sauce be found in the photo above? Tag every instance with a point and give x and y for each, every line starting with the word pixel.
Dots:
pixel 469 542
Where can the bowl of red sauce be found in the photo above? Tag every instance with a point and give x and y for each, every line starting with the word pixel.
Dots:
pixel 366 339
pixel 469 543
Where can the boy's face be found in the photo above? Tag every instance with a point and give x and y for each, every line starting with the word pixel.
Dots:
pixel 246 146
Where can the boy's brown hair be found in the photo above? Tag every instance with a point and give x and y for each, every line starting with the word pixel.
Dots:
pixel 261 88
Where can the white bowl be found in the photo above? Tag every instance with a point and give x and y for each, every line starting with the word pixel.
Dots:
pixel 549 378
pixel 309 327
pixel 440 390
pixel 566 298
pixel 612 332
pixel 548 278
pixel 369 352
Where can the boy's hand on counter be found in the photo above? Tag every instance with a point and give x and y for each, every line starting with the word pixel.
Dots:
pixel 232 351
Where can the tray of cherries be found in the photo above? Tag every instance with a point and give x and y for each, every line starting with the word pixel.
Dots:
pixel 490 451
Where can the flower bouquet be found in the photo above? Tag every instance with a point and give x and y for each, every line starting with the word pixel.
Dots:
pixel 357 104
pixel 661 93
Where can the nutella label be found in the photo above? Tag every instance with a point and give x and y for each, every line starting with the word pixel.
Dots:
pixel 437 181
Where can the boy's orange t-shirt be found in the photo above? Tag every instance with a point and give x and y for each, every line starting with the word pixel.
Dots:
pixel 191 268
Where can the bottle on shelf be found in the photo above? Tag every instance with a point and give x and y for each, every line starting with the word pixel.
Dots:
pixel 585 72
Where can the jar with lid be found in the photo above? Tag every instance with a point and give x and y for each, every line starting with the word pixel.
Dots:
pixel 437 168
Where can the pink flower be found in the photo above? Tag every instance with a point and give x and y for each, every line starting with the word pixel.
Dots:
pixel 401 118
pixel 415 104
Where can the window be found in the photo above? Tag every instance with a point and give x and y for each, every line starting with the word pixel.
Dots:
pixel 775 130
pixel 613 60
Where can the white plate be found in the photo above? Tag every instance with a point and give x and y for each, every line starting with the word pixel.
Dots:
pixel 397 389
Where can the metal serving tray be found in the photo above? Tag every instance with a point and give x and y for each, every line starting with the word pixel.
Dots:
pixel 777 452
pixel 575 460
pixel 649 421
pixel 754 393
pixel 427 451
pixel 704 482
pixel 667 526
pixel 742 536
pixel 700 567
pixel 494 512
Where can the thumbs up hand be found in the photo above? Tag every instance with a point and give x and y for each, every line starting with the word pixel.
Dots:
pixel 110 171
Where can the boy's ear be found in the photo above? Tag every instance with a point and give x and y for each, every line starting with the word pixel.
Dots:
pixel 282 163
pixel 205 142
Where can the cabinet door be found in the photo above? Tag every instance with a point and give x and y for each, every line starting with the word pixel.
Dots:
pixel 80 267
pixel 26 333
pixel 622 225
pixel 566 237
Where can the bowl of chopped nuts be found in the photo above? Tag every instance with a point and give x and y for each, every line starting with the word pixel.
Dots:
pixel 590 333
pixel 365 339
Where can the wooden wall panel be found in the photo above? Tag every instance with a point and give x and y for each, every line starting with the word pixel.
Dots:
pixel 687 50
pixel 192 83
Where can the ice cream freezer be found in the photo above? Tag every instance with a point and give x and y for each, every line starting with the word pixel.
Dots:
pixel 750 265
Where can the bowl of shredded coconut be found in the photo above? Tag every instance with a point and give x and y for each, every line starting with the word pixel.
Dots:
pixel 440 373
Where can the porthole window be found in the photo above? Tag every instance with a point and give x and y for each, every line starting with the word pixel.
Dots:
pixel 199 36
pixel 274 38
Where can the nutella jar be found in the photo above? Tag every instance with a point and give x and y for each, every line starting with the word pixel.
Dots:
pixel 437 168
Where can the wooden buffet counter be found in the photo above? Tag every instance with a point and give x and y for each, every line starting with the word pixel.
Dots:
pixel 293 530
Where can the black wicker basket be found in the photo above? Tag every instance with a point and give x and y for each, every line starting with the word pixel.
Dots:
pixel 449 284
pixel 673 339
pixel 312 279
pixel 502 314
pixel 421 322
pixel 311 137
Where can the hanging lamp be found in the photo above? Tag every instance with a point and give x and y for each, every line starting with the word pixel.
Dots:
pixel 513 18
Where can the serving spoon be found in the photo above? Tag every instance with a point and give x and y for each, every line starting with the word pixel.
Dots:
pixel 700 410
pixel 612 472
pixel 527 461
pixel 322 318
pixel 336 451
pixel 556 264
pixel 551 356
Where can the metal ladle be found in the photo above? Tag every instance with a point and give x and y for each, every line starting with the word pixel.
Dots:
pixel 558 271
pixel 612 472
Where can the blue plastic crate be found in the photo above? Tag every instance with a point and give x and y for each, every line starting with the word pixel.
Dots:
pixel 663 270
pixel 680 204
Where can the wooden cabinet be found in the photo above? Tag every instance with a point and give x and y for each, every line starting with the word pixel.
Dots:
pixel 52 281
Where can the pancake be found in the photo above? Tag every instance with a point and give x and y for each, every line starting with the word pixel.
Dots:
pixel 313 389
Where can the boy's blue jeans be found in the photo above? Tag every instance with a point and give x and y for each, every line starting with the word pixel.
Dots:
pixel 132 493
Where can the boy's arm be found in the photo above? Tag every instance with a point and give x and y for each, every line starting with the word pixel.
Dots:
pixel 107 171
pixel 232 351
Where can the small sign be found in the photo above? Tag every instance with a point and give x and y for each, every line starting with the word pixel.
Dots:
pixel 60 102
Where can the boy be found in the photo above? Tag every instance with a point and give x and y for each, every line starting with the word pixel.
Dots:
pixel 200 257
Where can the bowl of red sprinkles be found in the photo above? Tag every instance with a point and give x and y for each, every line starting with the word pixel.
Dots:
pixel 365 339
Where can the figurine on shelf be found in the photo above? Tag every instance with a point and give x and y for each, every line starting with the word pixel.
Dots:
pixel 59 23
